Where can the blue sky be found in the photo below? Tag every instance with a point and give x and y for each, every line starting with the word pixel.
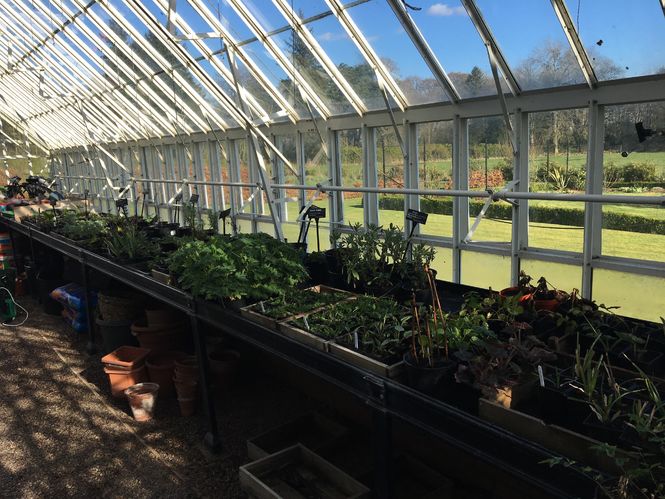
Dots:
pixel 632 31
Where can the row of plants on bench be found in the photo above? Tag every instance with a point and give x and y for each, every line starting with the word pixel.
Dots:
pixel 597 367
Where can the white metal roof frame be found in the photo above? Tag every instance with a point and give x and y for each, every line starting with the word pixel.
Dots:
pixel 133 100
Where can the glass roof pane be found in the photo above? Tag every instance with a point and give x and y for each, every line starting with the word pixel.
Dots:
pixel 533 42
pixel 274 72
pixel 623 38
pixel 228 18
pixel 351 63
pixel 309 67
pixel 386 35
pixel 309 8
pixel 455 41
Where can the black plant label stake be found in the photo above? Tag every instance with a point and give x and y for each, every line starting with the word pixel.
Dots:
pixel 416 217
pixel 316 213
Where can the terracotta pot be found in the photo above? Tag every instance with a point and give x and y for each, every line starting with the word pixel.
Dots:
pixel 163 317
pixel 120 379
pixel 513 291
pixel 186 389
pixel 161 367
pixel 158 342
pixel 125 358
pixel 187 368
pixel 142 399
pixel 142 327
pixel 224 365
pixel 187 406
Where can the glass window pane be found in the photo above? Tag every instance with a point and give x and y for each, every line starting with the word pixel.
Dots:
pixel 623 38
pixel 557 160
pixel 342 51
pixel 387 37
pixel 490 167
pixel 638 296
pixel 444 25
pixel 634 231
pixel 435 172
pixel 390 174
pixel 350 145
pixel 559 275
pixel 485 270
pixel 533 42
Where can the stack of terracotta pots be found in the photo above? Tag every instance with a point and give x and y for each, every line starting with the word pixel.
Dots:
pixel 161 331
pixel 161 368
pixel 125 367
pixel 224 364
pixel 186 381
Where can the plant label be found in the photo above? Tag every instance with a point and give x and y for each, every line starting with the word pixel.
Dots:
pixel 355 340
pixel 194 199
pixel 417 217
pixel 121 203
pixel 541 378
pixel 224 213
pixel 263 309
pixel 304 319
pixel 316 212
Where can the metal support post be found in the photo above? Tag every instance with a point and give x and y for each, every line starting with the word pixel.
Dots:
pixel 411 174
pixel 382 448
pixel 460 181
pixel 370 200
pixel 520 228
pixel 212 438
pixel 593 213
pixel 89 309
pixel 335 173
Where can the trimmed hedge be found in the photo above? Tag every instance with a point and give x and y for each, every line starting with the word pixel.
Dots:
pixel 541 214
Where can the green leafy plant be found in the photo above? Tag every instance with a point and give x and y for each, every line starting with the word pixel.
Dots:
pixel 252 266
pixel 298 301
pixel 126 242
pixel 378 326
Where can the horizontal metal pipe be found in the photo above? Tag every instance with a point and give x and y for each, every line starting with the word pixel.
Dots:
pixel 545 196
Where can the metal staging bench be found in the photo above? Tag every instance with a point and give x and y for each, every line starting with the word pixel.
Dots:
pixel 515 456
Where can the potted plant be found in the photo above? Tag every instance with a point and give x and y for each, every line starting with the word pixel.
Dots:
pixel 428 362
pixel 545 298
pixel 127 244
pixel 524 289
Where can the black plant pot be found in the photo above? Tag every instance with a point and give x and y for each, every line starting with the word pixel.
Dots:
pixel 551 405
pixel 46 284
pixel 428 379
pixel 609 433
pixel 576 412
pixel 318 272
pixel 183 231
pixel 115 334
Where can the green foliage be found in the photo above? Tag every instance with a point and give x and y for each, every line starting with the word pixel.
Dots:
pixel 297 301
pixel 380 325
pixel 126 242
pixel 253 266
pixel 90 230
pixel 378 257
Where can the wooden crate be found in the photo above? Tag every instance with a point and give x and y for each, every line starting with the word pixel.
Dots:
pixel 253 312
pixel 555 438
pixel 268 477
pixel 363 361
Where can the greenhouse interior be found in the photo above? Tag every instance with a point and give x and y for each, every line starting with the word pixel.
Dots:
pixel 332 248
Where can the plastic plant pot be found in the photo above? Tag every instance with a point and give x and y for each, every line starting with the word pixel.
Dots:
pixel 142 399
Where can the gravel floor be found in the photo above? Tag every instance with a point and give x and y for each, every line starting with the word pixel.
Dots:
pixel 62 434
